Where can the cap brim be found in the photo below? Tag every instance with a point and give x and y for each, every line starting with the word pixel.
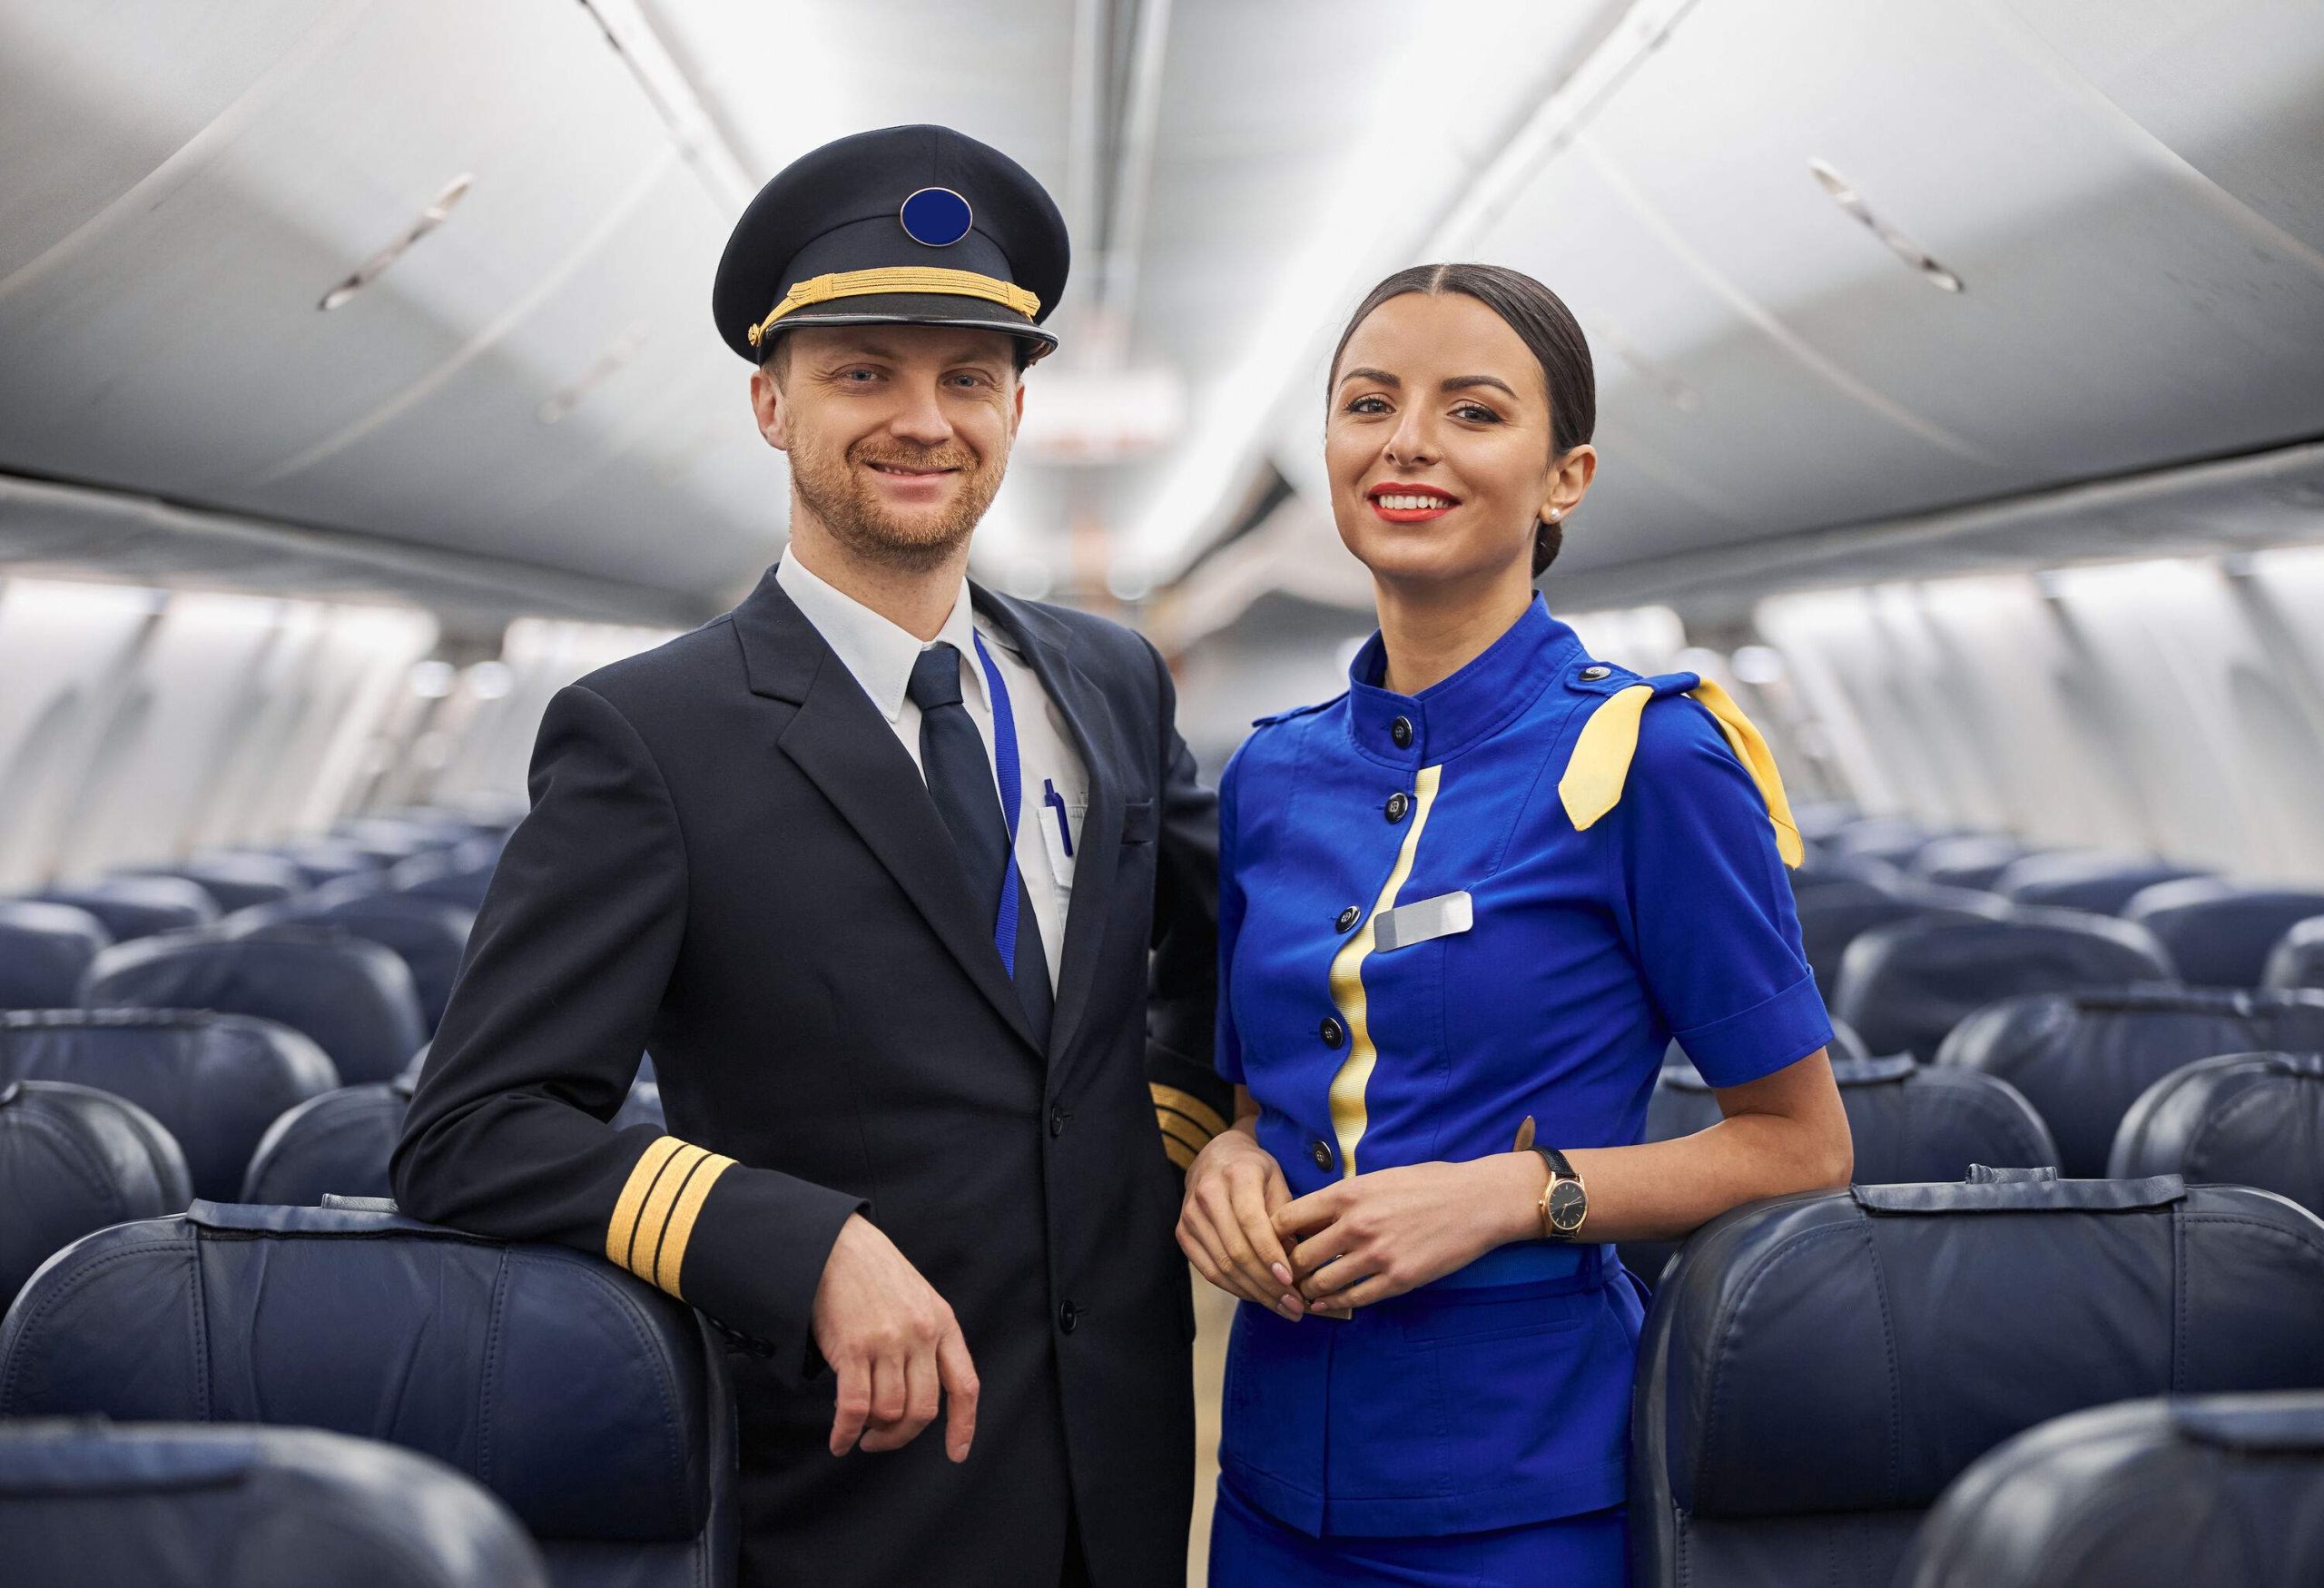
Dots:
pixel 944 309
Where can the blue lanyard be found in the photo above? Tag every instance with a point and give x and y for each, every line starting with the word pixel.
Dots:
pixel 1012 793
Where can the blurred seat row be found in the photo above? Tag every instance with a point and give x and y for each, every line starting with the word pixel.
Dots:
pixel 2083 1258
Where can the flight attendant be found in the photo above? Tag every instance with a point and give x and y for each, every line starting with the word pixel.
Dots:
pixel 1464 906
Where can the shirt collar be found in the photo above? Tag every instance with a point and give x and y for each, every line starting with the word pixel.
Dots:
pixel 876 651
pixel 1455 712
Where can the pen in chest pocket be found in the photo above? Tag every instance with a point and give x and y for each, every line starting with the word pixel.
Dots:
pixel 1056 800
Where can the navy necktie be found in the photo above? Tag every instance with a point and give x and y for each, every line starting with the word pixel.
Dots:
pixel 960 777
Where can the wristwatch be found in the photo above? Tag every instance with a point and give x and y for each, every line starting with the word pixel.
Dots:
pixel 1565 1200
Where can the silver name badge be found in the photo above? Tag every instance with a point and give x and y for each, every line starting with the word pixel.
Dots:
pixel 1422 920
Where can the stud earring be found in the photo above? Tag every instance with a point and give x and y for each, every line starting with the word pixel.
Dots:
pixel 1554 515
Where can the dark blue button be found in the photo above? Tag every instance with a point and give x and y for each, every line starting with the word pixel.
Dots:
pixel 936 216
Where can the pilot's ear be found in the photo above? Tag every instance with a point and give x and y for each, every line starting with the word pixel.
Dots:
pixel 773 411
pixel 1017 409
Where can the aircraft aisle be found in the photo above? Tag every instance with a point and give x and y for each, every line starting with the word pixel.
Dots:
pixel 1958 436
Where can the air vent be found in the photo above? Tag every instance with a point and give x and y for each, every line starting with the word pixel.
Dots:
pixel 370 270
pixel 1843 193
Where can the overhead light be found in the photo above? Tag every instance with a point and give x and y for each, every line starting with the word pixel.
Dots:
pixel 432 679
pixel 490 680
pixel 1843 193
pixel 429 219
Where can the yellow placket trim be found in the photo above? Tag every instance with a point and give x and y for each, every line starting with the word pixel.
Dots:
pixel 1349 1117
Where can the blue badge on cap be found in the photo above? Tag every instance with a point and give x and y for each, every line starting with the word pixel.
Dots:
pixel 936 216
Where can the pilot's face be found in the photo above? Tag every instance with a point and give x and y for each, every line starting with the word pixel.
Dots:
pixel 898 435
pixel 1439 443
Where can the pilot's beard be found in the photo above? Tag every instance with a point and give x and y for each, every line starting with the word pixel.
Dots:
pixel 834 489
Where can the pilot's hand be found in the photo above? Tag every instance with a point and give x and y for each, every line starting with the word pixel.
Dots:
pixel 894 1343
pixel 1226 1223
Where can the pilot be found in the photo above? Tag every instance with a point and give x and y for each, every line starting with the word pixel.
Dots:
pixel 1463 908
pixel 910 891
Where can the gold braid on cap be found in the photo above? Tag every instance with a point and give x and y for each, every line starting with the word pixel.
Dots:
pixel 898 279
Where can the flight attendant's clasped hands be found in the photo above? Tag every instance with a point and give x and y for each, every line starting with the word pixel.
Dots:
pixel 1463 909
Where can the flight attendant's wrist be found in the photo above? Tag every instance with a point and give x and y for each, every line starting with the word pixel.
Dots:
pixel 1515 1199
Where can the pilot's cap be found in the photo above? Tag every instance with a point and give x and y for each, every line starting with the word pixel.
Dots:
pixel 903 226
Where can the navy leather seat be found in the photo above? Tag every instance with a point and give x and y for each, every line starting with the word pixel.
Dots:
pixel 1894 839
pixel 215 1081
pixel 44 950
pixel 338 1144
pixel 2297 960
pixel 355 998
pixel 2242 1118
pixel 1910 1122
pixel 429 935
pixel 1816 1368
pixel 238 881
pixel 2093 880
pixel 594 1407
pixel 1905 986
pixel 2220 932
pixel 134 907
pixel 459 876
pixel 324 861
pixel 1970 861
pixel 72 1161
pixel 2083 1059
pixel 1834 915
pixel 2183 1492
pixel 1822 870
pixel 90 1504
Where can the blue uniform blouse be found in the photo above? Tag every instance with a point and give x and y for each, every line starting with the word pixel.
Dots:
pixel 1624 886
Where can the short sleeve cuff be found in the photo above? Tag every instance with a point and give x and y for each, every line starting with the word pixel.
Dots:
pixel 1779 1031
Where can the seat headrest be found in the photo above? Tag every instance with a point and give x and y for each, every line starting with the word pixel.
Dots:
pixel 2221 932
pixel 585 1399
pixel 2297 960
pixel 2248 1118
pixel 1854 1350
pixel 44 950
pixel 1905 986
pixel 1910 1122
pixel 2098 881
pixel 355 998
pixel 170 1506
pixel 72 1159
pixel 215 1081
pixel 459 875
pixel 1971 861
pixel 2193 1492
pixel 134 907
pixel 239 880
pixel 335 1144
pixel 2083 1059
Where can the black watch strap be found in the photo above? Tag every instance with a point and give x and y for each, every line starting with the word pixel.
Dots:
pixel 1560 1169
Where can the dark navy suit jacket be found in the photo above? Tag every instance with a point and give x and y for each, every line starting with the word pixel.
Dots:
pixel 732 861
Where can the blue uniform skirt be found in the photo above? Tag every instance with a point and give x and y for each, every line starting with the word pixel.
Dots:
pixel 1250 1549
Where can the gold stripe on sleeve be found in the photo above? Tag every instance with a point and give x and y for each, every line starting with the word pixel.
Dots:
pixel 1181 1130
pixel 652 1219
pixel 670 1261
pixel 620 1229
pixel 1180 1153
pixel 1204 1118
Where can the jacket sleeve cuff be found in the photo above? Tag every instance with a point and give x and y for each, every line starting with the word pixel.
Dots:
pixel 745 1246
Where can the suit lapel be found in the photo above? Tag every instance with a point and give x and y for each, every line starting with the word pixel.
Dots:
pixel 849 752
pixel 1046 650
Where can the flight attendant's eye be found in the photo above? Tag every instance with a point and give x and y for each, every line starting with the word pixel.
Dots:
pixel 1476 413
pixel 1368 405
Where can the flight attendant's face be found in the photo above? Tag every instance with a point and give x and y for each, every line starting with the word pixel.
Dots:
pixel 898 435
pixel 1439 445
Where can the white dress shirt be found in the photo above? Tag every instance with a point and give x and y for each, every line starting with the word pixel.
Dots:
pixel 879 655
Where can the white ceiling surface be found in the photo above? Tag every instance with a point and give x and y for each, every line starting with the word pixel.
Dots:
pixel 2132 191
pixel 533 383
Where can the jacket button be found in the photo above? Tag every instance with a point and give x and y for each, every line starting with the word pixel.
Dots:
pixel 1321 1154
pixel 1593 675
pixel 1056 1121
pixel 1331 1032
pixel 1398 803
pixel 1069 1318
pixel 1401 730
pixel 1349 917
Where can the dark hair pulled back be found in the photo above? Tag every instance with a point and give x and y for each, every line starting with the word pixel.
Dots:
pixel 1545 325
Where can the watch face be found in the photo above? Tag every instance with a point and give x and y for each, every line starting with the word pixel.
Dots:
pixel 1568 1203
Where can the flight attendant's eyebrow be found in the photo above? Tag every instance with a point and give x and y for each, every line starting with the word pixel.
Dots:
pixel 1463 382
pixel 1379 376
